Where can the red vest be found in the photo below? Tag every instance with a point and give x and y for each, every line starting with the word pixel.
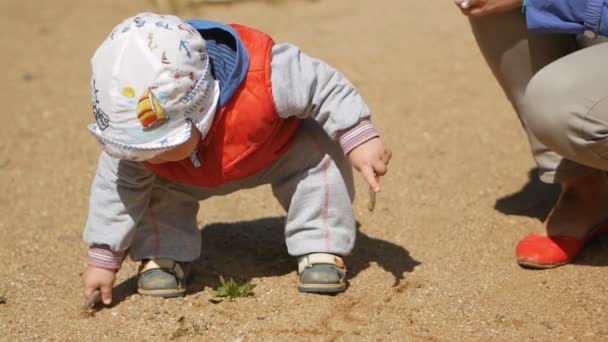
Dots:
pixel 247 135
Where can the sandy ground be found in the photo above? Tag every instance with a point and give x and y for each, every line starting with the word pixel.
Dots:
pixel 434 262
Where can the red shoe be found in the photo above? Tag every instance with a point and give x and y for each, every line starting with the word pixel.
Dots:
pixel 537 251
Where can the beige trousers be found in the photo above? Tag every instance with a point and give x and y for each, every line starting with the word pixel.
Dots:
pixel 557 84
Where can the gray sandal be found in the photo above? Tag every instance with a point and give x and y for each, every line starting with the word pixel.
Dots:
pixel 321 273
pixel 161 278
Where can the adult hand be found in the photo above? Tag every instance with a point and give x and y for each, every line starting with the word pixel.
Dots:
pixel 479 8
pixel 371 159
pixel 99 278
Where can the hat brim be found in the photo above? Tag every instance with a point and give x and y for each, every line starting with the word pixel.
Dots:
pixel 140 152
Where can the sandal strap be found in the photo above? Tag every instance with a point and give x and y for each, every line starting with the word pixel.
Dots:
pixel 166 265
pixel 319 258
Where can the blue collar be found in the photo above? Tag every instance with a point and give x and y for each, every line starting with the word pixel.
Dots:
pixel 228 56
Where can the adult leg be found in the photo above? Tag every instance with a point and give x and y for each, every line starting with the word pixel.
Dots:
pixel 514 56
pixel 568 99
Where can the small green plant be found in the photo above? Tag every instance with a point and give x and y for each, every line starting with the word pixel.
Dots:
pixel 2 299
pixel 231 289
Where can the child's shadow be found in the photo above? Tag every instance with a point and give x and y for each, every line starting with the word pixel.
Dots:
pixel 535 199
pixel 248 249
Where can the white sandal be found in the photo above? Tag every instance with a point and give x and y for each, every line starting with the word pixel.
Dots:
pixel 161 278
pixel 321 273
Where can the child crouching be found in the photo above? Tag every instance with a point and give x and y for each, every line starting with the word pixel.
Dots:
pixel 190 110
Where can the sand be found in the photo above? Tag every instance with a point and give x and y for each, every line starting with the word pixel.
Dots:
pixel 433 262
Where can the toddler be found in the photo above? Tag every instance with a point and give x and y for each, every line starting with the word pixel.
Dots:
pixel 186 110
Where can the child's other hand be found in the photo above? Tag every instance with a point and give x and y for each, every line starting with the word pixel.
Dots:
pixel 99 278
pixel 371 159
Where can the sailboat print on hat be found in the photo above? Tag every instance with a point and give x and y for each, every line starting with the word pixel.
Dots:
pixel 149 111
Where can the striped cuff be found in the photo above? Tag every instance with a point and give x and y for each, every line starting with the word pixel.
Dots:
pixel 357 135
pixel 594 14
pixel 102 256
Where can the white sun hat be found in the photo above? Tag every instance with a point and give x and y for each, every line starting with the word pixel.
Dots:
pixel 151 86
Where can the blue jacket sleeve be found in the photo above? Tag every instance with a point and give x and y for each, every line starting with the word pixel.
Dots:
pixel 567 16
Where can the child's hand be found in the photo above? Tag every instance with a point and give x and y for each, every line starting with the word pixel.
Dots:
pixel 371 159
pixel 99 278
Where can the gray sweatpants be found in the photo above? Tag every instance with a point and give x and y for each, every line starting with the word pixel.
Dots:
pixel 557 90
pixel 313 181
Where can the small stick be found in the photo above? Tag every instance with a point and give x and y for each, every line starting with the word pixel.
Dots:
pixel 93 299
pixel 371 203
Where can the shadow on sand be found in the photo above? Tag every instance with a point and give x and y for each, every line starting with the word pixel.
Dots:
pixel 535 199
pixel 249 249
